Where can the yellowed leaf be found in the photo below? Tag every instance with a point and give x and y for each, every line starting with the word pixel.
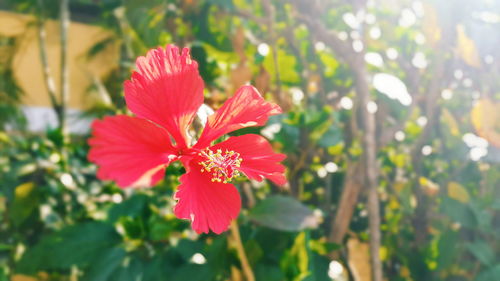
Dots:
pixel 241 75
pixel 263 80
pixel 430 25
pixel 467 48
pixel 238 41
pixel 4 137
pixel 485 117
pixel 359 260
pixel 23 190
pixel 299 251
pixel 405 273
pixel 336 149
pixel 399 186
pixel 450 120
pixel 3 204
pixel 430 188
pixel 236 274
pixel 21 277
pixel 384 253
pixel 394 204
pixel 319 246
pixel 313 84
pixel 458 192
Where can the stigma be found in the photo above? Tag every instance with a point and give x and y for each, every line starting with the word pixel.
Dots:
pixel 222 165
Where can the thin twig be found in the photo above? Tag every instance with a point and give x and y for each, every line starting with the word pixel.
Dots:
pixel 247 190
pixel 247 269
pixel 251 16
pixel 270 14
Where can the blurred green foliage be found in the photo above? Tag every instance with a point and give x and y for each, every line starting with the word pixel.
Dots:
pixel 440 209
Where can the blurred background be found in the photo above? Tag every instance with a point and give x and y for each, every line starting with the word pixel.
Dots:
pixel 391 128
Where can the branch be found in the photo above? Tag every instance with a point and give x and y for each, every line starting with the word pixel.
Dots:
pixel 413 84
pixel 356 62
pixel 310 17
pixel 349 197
pixel 432 111
pixel 370 165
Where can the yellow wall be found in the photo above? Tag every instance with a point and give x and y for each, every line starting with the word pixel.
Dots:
pixel 27 65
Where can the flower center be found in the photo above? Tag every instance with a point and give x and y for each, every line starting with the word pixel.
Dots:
pixel 222 165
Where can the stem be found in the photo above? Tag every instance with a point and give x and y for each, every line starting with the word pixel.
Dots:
pixel 42 38
pixel 247 269
pixel 64 24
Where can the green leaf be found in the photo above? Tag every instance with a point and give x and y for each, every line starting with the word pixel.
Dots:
pixel 102 268
pixel 482 251
pixel 283 213
pixel 296 261
pixel 216 254
pixel 458 192
pixel 320 267
pixel 134 227
pixel 157 269
pixel 79 244
pixel 25 202
pixel 193 272
pixel 332 137
pixel 490 274
pixel 160 228
pixel 131 270
pixel 289 73
pixel 447 247
pixel 5 247
pixel 187 248
pixel 459 212
pixel 254 251
pixel 131 207
pixel 268 272
pixel 26 169
pixel 323 247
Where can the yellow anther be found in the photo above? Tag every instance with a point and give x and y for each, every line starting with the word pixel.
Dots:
pixel 222 165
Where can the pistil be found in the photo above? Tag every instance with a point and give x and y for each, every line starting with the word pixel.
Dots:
pixel 221 164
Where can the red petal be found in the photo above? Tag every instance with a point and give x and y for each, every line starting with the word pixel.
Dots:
pixel 245 109
pixel 167 90
pixel 130 150
pixel 259 159
pixel 208 205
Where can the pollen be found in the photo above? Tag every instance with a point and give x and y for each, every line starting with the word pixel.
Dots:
pixel 222 165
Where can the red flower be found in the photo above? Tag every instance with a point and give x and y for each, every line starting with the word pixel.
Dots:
pixel 165 93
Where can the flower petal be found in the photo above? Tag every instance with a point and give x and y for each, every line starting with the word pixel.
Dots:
pixel 130 150
pixel 208 205
pixel 166 89
pixel 246 108
pixel 258 158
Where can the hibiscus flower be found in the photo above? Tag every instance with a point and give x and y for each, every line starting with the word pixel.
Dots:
pixel 165 94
